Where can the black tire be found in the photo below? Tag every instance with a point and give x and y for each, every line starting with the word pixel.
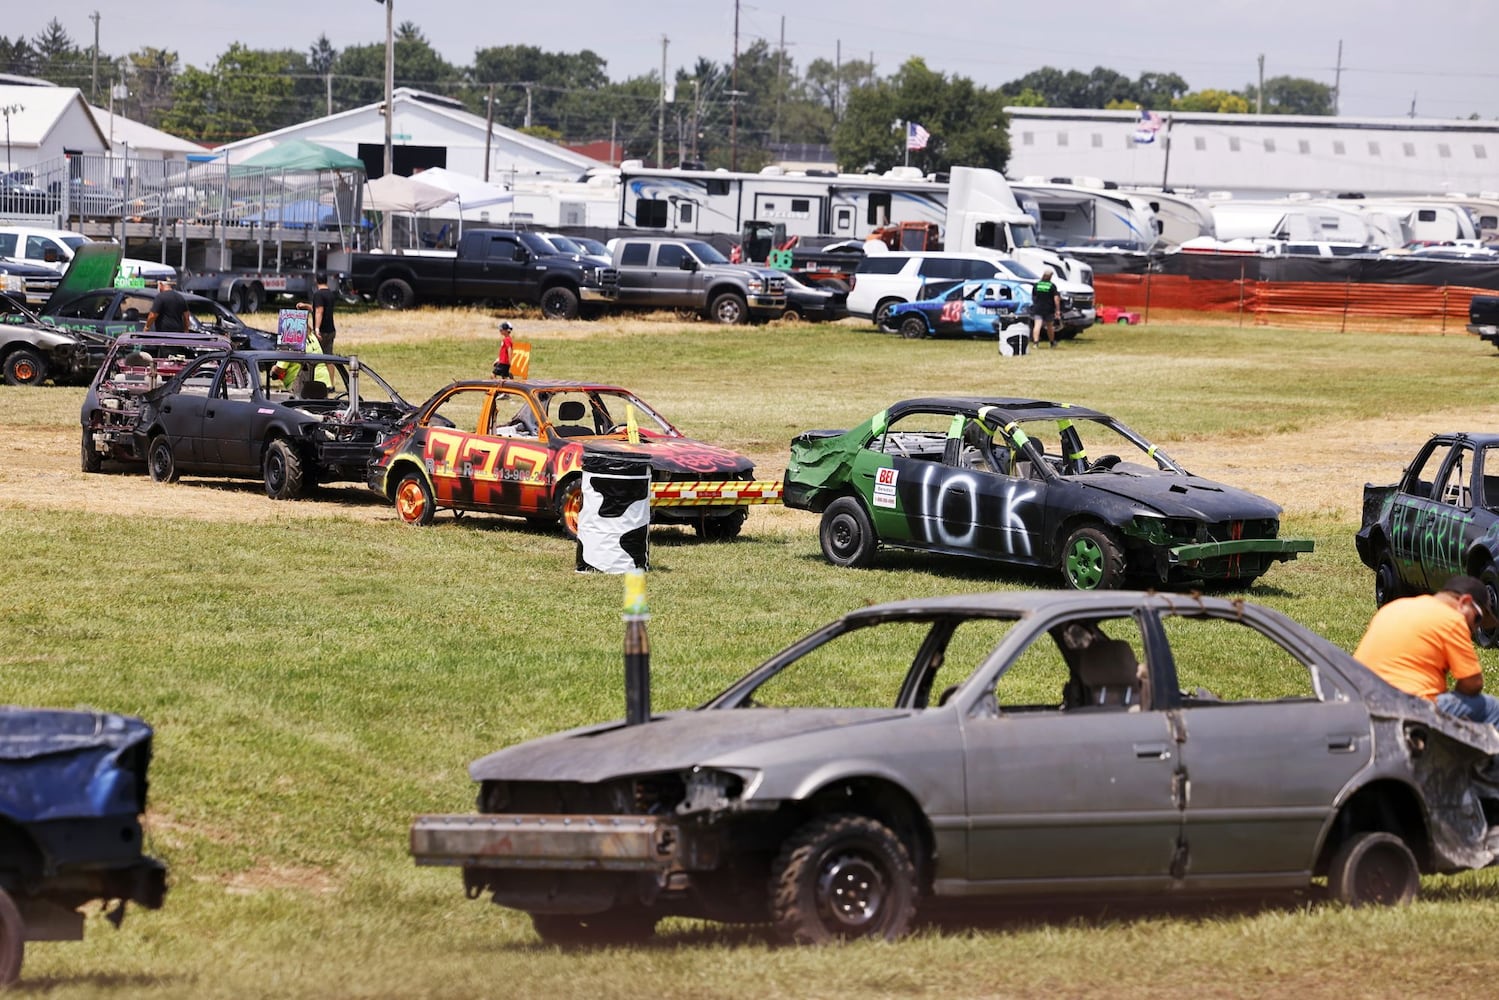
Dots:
pixel 160 461
pixel 559 302
pixel 89 458
pixel 882 312
pixel 568 504
pixel 847 535
pixel 254 296
pixel 239 300
pixel 414 501
pixel 721 528
pixel 394 293
pixel 729 309
pixel 12 940
pixel 1489 577
pixel 792 315
pixel 1387 583
pixel 913 328
pixel 1373 868
pixel 282 469
pixel 839 878
pixel 1092 559
pixel 622 925
pixel 23 366
pixel 1122 321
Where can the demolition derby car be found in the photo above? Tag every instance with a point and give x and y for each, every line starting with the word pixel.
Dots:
pixel 72 790
pixel 32 351
pixel 975 308
pixel 292 419
pixel 135 364
pixel 988 746
pixel 516 447
pixel 1031 483
pixel 1440 519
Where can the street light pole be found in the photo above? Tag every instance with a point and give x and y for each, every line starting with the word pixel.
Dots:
pixel 7 111
pixel 390 82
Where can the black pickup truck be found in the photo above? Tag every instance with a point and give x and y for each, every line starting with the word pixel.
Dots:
pixel 1483 317
pixel 489 265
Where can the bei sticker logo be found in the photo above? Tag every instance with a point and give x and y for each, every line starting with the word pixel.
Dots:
pixel 885 477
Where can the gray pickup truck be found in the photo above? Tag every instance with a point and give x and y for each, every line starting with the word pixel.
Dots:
pixel 656 272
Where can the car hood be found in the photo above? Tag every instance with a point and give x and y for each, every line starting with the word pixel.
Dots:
pixel 669 742
pixel 680 455
pixel 59 764
pixel 1182 496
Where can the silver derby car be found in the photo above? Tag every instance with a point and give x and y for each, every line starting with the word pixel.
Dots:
pixel 1000 746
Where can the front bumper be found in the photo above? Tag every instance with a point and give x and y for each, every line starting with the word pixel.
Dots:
pixel 767 305
pixel 562 843
pixel 1242 557
pixel 588 293
pixel 1485 331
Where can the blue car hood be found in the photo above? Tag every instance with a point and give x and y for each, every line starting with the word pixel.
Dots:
pixel 57 764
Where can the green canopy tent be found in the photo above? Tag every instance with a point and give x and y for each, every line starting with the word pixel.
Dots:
pixel 299 156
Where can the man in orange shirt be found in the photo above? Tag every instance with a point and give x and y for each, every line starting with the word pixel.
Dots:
pixel 1417 643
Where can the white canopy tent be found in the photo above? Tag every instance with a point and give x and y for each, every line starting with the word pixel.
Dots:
pixel 393 193
pixel 471 193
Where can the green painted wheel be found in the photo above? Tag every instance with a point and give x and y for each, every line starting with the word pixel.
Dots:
pixel 1092 560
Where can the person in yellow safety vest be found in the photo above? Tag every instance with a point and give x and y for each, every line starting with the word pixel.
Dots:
pixel 285 372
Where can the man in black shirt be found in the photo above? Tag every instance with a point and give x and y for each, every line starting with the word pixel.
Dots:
pixel 169 312
pixel 322 312
pixel 1046 307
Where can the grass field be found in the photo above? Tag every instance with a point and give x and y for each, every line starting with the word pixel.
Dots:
pixel 317 673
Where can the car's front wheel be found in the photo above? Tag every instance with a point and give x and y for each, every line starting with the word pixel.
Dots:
pixel 282 466
pixel 729 309
pixel 882 313
pixel 1387 582
pixel 415 503
pixel 559 303
pixel 913 328
pixel 160 460
pixel 1092 559
pixel 846 534
pixel 1373 868
pixel 721 528
pixel 569 505
pixel 23 366
pixel 842 877
pixel 89 458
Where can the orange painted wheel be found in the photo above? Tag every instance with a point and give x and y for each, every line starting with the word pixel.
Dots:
pixel 570 506
pixel 414 501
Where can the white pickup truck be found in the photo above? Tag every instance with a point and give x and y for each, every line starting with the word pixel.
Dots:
pixel 54 248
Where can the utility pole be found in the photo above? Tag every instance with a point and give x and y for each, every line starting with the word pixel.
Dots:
pixel 661 111
pixel 93 93
pixel 328 91
pixel 1337 79
pixel 1166 142
pixel 488 130
pixel 1413 103
pixel 697 105
pixel 1259 95
pixel 780 68
pixel 734 98
pixel 837 78
pixel 390 111
pixel 528 87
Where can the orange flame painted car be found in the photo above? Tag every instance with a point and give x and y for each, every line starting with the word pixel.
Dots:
pixel 516 447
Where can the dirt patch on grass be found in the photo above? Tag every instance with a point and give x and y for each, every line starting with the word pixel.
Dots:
pixel 269 877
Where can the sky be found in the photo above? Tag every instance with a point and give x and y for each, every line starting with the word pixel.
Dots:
pixel 1435 55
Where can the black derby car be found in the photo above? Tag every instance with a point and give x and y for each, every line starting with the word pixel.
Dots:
pixel 1032 483
pixel 293 419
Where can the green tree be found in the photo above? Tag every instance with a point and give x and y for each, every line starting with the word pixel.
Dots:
pixel 829 86
pixel 1292 95
pixel 359 70
pixel 59 60
pixel 150 76
pixel 1159 90
pixel 1220 101
pixel 248 91
pixel 966 123
pixel 558 86
pixel 18 57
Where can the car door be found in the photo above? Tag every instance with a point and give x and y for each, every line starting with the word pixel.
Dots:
pixel 1442 531
pixel 892 472
pixel 1066 795
pixel 675 284
pixel 232 417
pixel 635 274
pixel 1269 740
pixel 1411 507
pixel 181 415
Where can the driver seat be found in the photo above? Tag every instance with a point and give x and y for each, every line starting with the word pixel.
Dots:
pixel 568 414
pixel 1108 674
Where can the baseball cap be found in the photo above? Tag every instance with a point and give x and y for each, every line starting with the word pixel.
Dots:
pixel 505 326
pixel 1477 590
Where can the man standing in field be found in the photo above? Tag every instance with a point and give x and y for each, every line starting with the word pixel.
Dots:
pixel 169 312
pixel 1417 643
pixel 1046 307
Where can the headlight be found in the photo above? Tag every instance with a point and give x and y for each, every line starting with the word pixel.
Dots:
pixel 757 285
pixel 717 789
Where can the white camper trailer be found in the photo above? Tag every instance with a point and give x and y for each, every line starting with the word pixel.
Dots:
pixel 983 214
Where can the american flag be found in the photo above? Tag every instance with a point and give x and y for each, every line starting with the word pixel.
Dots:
pixel 916 136
pixel 1148 125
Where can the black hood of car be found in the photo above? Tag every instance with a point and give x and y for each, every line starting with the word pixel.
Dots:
pixel 1182 496
pixel 669 742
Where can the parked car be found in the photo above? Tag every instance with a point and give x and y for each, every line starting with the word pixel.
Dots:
pixel 884 280
pixel 984 748
pixel 113 311
pixel 1440 519
pixel 72 791
pixel 133 365
pixel 690 275
pixel 31 351
pixel 54 248
pixel 268 415
pixel 1483 318
pixel 19 193
pixel 813 303
pixel 30 283
pixel 975 308
pixel 516 447
pixel 1030 483
pixel 1113 314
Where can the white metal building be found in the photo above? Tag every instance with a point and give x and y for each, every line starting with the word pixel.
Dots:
pixel 1258 154
pixel 429 130
pixel 43 122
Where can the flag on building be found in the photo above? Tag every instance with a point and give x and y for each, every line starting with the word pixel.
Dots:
pixel 1148 125
pixel 916 136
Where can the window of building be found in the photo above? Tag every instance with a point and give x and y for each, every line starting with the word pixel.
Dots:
pixel 1061 138
pixel 1480 152
pixel 1199 143
pixel 1027 138
pixel 1303 147
pixel 1097 140
pixel 1409 147
pixel 1373 148
pixel 1269 145
pixel 1233 145
pixel 1444 151
pixel 1337 148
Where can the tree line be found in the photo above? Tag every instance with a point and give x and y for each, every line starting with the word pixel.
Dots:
pixel 716 116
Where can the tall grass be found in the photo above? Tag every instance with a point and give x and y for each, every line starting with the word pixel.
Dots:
pixel 318 680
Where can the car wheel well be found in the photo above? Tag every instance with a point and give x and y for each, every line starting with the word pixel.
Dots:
pixel 1380 807
pixel 20 858
pixel 1479 560
pixel 395 473
pixel 885 802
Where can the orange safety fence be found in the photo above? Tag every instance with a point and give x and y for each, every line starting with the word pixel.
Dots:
pixel 1267 300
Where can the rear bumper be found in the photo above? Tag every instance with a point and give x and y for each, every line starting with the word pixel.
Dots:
pixel 1485 331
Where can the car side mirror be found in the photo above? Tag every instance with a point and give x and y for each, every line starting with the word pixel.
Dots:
pixel 50 256
pixel 521 254
pixel 688 264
